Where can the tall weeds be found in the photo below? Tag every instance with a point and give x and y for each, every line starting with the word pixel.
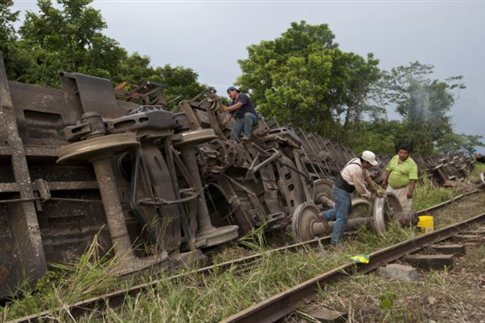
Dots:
pixel 426 195
pixel 65 284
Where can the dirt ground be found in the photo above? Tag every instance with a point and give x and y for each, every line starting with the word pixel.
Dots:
pixel 454 295
pixel 460 210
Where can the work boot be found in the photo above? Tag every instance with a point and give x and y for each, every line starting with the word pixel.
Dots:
pixel 244 139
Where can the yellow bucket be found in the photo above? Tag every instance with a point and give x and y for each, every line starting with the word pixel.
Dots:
pixel 425 223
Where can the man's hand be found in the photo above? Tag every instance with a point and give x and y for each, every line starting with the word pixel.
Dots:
pixel 384 184
pixel 224 108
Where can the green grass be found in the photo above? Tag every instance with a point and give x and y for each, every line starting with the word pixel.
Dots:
pixel 66 284
pixel 475 173
pixel 201 298
pixel 426 195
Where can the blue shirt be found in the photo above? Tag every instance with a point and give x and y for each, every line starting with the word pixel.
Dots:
pixel 247 106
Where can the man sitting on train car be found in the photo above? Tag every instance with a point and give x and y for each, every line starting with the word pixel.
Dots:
pixel 400 177
pixel 352 176
pixel 243 111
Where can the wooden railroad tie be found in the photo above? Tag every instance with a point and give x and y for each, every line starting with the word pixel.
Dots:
pixel 431 261
pixel 449 249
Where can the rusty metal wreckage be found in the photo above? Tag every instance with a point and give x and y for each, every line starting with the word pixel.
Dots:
pixel 157 187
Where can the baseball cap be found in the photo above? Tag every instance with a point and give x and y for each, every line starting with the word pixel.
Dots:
pixel 232 88
pixel 369 157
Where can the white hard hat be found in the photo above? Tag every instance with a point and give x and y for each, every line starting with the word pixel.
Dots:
pixel 369 157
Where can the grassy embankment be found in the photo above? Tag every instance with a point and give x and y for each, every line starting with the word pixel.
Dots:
pixel 207 298
pixel 427 195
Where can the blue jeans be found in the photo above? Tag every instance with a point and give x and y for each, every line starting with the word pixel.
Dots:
pixel 244 125
pixel 343 206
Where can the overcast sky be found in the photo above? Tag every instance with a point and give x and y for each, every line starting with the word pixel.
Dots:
pixel 210 36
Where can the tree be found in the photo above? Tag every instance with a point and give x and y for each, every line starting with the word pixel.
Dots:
pixel 178 82
pixel 65 39
pixel 7 18
pixel 303 78
pixel 452 142
pixel 379 136
pixel 181 82
pixel 423 103
pixel 7 32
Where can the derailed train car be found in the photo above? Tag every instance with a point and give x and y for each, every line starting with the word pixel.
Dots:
pixel 155 187
pixel 76 163
pixel 280 179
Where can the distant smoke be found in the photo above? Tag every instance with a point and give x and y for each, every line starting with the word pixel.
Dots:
pixel 419 105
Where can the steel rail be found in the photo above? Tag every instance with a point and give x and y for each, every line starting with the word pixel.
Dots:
pixel 445 203
pixel 116 298
pixel 279 305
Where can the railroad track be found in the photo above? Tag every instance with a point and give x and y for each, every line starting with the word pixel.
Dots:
pixel 279 305
pixel 115 299
pixel 447 202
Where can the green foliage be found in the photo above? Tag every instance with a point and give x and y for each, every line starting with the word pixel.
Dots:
pixel 66 284
pixel 7 31
pixel 303 77
pixel 255 239
pixel 474 175
pixel 379 136
pixel 179 82
pixel 7 18
pixel 386 300
pixel 68 39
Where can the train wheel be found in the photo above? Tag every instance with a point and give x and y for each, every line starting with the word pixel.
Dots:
pixel 306 219
pixel 97 147
pixel 385 210
pixel 361 208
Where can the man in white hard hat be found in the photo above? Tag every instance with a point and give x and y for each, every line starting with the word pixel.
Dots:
pixel 352 177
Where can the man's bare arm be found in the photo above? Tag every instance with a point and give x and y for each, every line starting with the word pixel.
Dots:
pixel 371 183
pixel 233 107
pixel 412 184
pixel 359 184
pixel 385 178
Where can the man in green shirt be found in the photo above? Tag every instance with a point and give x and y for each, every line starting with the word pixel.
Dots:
pixel 400 177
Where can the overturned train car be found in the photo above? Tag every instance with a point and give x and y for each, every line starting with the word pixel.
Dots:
pixel 156 188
